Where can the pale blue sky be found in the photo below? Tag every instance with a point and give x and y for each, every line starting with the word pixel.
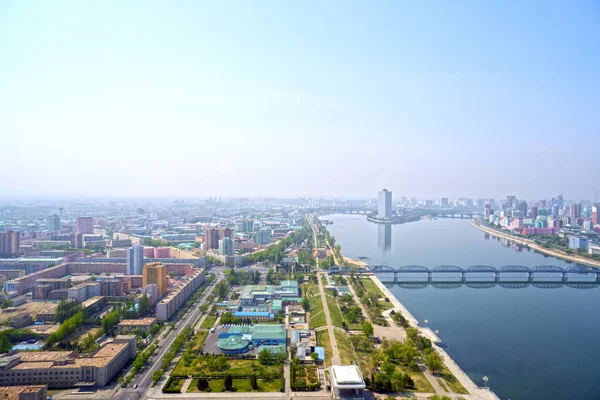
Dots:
pixel 428 99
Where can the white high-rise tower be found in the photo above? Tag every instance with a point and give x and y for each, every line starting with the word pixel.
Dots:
pixel 385 204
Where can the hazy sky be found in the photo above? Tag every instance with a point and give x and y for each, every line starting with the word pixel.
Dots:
pixel 273 98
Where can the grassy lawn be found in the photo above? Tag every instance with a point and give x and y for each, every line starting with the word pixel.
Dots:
pixel 334 311
pixel 312 293
pixel 345 348
pixel 234 367
pixel 370 286
pixel 318 319
pixel 216 385
pixel 323 341
pixel 209 322
pixel 421 383
pixel 193 388
pixel 442 384
pixel 453 383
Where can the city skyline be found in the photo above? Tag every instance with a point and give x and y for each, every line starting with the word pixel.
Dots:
pixel 471 99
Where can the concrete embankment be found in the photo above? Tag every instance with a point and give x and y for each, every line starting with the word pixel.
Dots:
pixel 532 245
pixel 477 393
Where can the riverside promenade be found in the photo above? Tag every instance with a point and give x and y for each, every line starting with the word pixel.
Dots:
pixel 476 392
pixel 531 244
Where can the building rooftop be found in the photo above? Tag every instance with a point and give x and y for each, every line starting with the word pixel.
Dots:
pixel 13 392
pixel 347 376
pixel 263 331
pixel 137 322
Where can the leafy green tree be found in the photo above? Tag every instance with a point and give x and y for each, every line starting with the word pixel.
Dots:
pixel 6 303
pixel 367 329
pixel 397 380
pixel 306 304
pixel 144 305
pixel 5 344
pixel 265 357
pixel 433 362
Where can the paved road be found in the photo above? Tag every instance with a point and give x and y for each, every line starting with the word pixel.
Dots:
pixel 335 354
pixel 144 380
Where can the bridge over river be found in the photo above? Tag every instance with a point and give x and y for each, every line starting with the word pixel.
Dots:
pixel 485 275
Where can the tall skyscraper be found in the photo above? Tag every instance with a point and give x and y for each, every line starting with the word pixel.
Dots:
pixel 247 225
pixel 225 232
pixel 211 238
pixel 226 246
pixel 135 259
pixel 10 242
pixel 384 208
pixel 534 212
pixel 510 201
pixel 523 207
pixel 596 214
pixel 262 237
pixel 155 273
pixel 487 211
pixel 560 201
pixel 85 225
pixel 575 211
pixel 444 202
pixel 53 223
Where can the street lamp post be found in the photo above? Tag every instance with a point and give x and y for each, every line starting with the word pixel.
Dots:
pixel 485 380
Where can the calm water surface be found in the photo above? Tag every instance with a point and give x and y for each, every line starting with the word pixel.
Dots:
pixel 531 343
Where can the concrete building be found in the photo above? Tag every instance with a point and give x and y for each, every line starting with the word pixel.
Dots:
pixel 10 242
pixel 84 291
pixel 143 325
pixel 211 239
pixel 596 214
pixel 225 232
pixel 593 248
pixel 53 223
pixel 575 211
pixel 151 290
pixel 155 273
pixel 170 304
pixel 135 259
pixel 64 369
pixel 346 382
pixel 247 225
pixel 226 246
pixel 262 237
pixel 85 225
pixel 384 205
pixel 33 392
pixel 578 243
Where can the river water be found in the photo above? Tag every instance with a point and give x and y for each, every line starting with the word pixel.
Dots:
pixel 531 343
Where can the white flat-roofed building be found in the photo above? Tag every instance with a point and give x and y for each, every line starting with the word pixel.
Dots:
pixel 346 382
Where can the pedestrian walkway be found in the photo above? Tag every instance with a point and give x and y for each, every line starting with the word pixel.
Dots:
pixel 335 357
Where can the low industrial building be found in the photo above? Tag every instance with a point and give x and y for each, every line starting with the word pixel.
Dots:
pixel 241 339
pixel 259 294
pixel 64 369
pixel 251 316
pixel 143 325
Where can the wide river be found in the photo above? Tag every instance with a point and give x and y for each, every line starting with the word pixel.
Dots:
pixel 531 343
